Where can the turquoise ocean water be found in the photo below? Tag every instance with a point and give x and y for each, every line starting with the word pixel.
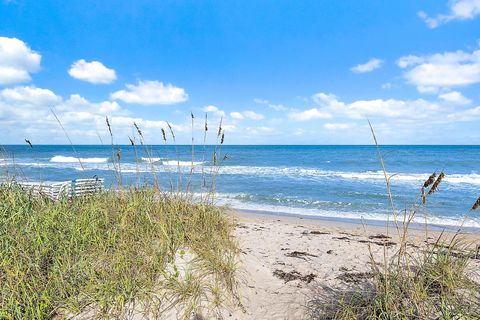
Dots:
pixel 340 182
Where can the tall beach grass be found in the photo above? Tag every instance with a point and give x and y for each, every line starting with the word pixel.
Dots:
pixel 431 280
pixel 147 250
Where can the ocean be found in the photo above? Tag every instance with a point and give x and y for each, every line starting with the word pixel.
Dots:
pixel 333 182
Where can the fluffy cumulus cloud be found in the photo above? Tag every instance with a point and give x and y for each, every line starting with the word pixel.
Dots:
pixel 455 97
pixel 276 107
pixel 252 115
pixel 310 114
pixel 94 72
pixel 395 120
pixel 151 93
pixel 329 106
pixel 441 70
pixel 29 95
pixel 261 130
pixel 17 61
pixel 214 111
pixel 338 126
pixel 467 115
pixel 237 115
pixel 29 110
pixel 458 10
pixel 368 66
pixel 377 108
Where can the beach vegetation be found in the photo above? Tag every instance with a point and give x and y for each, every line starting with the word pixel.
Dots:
pixel 432 280
pixel 148 250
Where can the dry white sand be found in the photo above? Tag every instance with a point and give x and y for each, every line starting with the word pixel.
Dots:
pixel 322 254
pixel 285 262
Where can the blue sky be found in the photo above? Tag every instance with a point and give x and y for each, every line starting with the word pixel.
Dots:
pixel 277 72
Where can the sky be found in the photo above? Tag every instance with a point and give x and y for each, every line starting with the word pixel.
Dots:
pixel 274 71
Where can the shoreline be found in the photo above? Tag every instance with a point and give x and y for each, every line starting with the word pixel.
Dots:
pixel 359 221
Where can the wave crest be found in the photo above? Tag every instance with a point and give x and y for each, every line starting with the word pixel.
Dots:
pixel 181 163
pixel 152 159
pixel 63 159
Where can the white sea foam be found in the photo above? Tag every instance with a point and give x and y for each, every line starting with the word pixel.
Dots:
pixel 298 172
pixel 63 159
pixel 152 159
pixel 181 163
pixel 287 172
pixel 378 216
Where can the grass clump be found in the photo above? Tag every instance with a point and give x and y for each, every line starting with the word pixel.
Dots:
pixel 437 286
pixel 431 280
pixel 113 254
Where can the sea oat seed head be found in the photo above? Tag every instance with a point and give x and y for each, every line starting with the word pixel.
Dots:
pixel 164 135
pixel 108 125
pixel 171 130
pixel 424 196
pixel 220 127
pixel 29 143
pixel 476 205
pixel 437 183
pixel 430 180
pixel 138 129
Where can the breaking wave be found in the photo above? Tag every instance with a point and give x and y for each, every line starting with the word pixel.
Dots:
pixel 63 159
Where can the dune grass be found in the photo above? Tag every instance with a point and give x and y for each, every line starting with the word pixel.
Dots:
pixel 112 254
pixel 433 280
pixel 151 250
pixel 437 285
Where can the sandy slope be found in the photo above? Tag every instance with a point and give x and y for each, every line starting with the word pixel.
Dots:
pixel 323 254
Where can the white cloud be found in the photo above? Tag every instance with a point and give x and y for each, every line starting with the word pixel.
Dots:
pixel 151 93
pixel 260 101
pixel 441 70
pixel 409 60
pixel 408 114
pixel 28 110
pixel 472 114
pixel 387 86
pixel 237 115
pixel 368 66
pixel 94 72
pixel 29 95
pixel 330 106
pixel 214 110
pixel 276 107
pixel 338 126
pixel 260 130
pixel 17 61
pixel 252 115
pixel 454 97
pixel 458 10
pixel 310 114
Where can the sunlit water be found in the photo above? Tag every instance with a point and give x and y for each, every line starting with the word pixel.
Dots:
pixel 321 181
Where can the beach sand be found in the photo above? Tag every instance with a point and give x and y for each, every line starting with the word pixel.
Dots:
pixel 286 262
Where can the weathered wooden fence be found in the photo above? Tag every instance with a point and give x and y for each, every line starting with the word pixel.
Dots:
pixel 65 189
